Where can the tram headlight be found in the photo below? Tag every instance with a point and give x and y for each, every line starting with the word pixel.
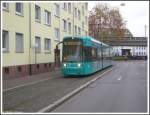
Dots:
pixel 79 65
pixel 65 64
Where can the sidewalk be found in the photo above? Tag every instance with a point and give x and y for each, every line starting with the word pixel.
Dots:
pixel 41 95
pixel 10 83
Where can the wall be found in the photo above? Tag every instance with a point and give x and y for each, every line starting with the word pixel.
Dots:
pixel 22 64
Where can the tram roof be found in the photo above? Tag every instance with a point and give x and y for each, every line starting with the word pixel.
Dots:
pixel 87 37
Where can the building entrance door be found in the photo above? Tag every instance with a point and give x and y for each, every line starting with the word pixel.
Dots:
pixel 57 58
pixel 126 52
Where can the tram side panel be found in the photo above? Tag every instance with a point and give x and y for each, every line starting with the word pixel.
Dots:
pixel 106 56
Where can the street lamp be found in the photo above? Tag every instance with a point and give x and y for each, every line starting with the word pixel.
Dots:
pixel 145 29
pixel 122 5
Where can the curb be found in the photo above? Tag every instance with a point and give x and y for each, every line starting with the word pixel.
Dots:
pixel 26 84
pixel 23 85
pixel 66 97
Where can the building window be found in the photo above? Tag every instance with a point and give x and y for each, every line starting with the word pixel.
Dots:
pixel 69 7
pixel 69 27
pixel 37 13
pixel 65 6
pixel 47 44
pixel 75 12
pixel 47 18
pixel 79 31
pixel 75 30
pixel 57 34
pixel 19 43
pixel 37 44
pixel 19 8
pixel 57 10
pixel 5 42
pixel 5 6
pixel 64 25
pixel 79 15
pixel 82 10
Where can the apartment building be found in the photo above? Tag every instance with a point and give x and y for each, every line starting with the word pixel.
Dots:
pixel 31 31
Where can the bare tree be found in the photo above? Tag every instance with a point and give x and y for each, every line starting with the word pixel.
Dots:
pixel 105 21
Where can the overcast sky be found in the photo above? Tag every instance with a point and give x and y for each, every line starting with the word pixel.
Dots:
pixel 136 13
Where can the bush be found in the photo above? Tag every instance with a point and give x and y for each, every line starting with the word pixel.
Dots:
pixel 120 58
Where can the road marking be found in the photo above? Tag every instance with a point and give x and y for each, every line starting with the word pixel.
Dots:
pixel 4 90
pixel 119 78
pixel 69 95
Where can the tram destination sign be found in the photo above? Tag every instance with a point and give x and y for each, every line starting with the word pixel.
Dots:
pixel 72 43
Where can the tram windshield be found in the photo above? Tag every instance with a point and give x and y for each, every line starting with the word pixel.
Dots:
pixel 72 50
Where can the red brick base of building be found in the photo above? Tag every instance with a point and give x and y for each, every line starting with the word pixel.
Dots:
pixel 26 70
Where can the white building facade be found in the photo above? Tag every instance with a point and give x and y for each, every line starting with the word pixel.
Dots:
pixel 128 46
pixel 134 50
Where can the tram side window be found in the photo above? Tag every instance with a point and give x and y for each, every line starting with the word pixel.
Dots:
pixel 106 53
pixel 99 54
pixel 94 54
pixel 87 54
pixel 90 54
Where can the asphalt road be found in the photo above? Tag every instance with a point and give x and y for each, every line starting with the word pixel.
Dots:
pixel 121 90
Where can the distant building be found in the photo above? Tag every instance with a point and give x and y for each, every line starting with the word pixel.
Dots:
pixel 31 30
pixel 128 46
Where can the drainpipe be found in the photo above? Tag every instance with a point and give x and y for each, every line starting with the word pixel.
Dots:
pixel 30 68
pixel 73 20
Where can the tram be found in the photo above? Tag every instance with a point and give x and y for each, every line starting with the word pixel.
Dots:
pixel 84 55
